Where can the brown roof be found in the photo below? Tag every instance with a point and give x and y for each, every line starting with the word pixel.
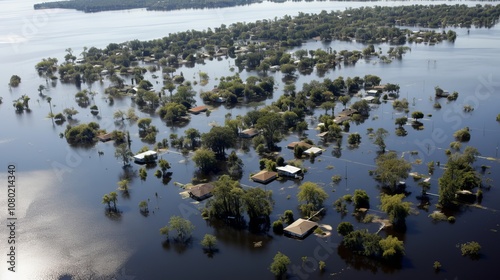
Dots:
pixel 264 176
pixel 199 109
pixel 300 227
pixel 105 137
pixel 249 133
pixel 301 143
pixel 201 190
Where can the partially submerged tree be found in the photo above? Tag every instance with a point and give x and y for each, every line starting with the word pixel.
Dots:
pixel 391 169
pixel 280 263
pixel 209 242
pixel 311 196
pixel 397 210
pixel 183 228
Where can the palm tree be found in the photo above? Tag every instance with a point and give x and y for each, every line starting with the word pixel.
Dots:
pixel 49 99
pixel 106 200
pixel 113 197
pixel 41 88
pixel 123 185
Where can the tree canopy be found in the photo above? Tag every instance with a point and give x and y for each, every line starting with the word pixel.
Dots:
pixel 391 169
pixel 311 196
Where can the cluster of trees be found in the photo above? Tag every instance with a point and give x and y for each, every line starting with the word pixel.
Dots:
pixel 230 200
pixel 370 244
pixel 232 89
pixel 82 134
pixel 458 175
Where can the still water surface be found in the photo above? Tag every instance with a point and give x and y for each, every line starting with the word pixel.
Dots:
pixel 63 228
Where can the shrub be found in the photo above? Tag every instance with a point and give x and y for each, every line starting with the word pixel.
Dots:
pixel 462 135
pixel 451 219
pixel 437 266
pixel 336 179
pixel 278 227
pixel 470 249
pixel 322 266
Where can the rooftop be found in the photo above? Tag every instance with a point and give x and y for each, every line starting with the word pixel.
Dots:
pixel 201 190
pixel 264 176
pixel 300 227
pixel 289 169
pixel 199 109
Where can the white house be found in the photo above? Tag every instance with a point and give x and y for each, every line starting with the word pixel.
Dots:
pixel 289 170
pixel 146 157
pixel 313 151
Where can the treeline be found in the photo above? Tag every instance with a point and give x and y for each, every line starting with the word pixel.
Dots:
pixel 92 6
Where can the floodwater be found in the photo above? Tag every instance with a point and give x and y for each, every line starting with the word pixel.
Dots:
pixel 63 229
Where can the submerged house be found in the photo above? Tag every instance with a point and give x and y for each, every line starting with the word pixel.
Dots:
pixel 201 191
pixel 289 171
pixel 300 228
pixel 105 137
pixel 313 151
pixel 197 110
pixel 301 143
pixel 264 176
pixel 249 133
pixel 147 156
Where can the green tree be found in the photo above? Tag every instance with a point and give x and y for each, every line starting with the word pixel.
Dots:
pixel 257 203
pixel 280 263
pixel 209 241
pixel 113 197
pixel 185 96
pixel 205 159
pixel 311 196
pixel 361 199
pixel 49 100
pixel 106 200
pixel 123 152
pixel 417 115
pixel 344 228
pixel 401 121
pixel 392 247
pixel 391 169
pixel 184 228
pixel 165 231
pixel 234 164
pixel 271 124
pixel 227 199
pixel 193 135
pixel 164 166
pixel 380 135
pixel 397 210
pixel 462 135
pixel 15 80
pixel 470 249
pixel 458 175
pixel 123 185
pixel 288 217
pixel 143 206
pixel 218 139
pixel 354 139
pixel 328 105
pixel 344 100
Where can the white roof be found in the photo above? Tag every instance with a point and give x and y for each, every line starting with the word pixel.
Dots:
pixel 313 150
pixel 146 153
pixel 372 91
pixel 369 98
pixel 288 168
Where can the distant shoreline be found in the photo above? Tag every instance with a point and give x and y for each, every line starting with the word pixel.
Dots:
pixel 87 6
